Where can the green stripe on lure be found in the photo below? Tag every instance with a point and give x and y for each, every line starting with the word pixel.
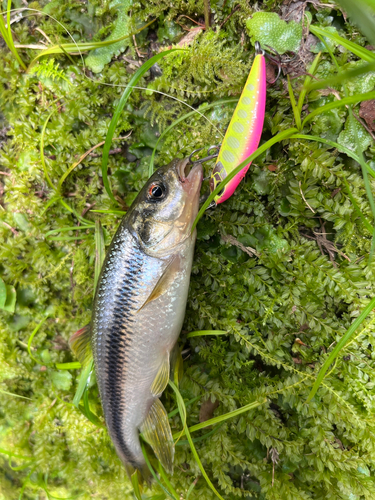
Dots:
pixel 244 131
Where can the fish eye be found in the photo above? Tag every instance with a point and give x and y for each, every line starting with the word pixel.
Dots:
pixel 156 192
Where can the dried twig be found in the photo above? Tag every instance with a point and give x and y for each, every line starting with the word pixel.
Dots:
pixel 304 199
pixel 11 228
pixel 45 36
pixel 227 238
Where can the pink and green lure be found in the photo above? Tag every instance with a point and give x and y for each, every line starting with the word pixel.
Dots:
pixel 244 131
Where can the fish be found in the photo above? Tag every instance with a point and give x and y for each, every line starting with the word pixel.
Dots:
pixel 244 131
pixel 138 312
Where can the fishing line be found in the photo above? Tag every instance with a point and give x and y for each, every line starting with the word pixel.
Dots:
pixel 111 84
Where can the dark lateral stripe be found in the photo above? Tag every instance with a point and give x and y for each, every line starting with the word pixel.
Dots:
pixel 117 341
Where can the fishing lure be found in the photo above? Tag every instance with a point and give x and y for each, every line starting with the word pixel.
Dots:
pixel 244 131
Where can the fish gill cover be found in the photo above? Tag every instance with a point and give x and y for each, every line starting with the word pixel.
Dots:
pixel 285 267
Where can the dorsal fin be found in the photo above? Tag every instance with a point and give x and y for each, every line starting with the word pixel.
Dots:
pixel 80 345
pixel 157 432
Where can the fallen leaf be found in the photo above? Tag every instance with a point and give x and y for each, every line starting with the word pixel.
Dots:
pixel 367 113
pixel 207 410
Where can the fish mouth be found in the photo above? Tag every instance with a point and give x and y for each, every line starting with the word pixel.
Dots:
pixel 189 177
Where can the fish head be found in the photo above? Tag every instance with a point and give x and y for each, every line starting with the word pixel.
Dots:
pixel 162 214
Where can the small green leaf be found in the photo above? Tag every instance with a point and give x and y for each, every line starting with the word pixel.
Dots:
pixel 21 221
pixel 62 380
pixel 11 297
pixel 353 135
pixel 98 58
pixel 3 294
pixel 268 29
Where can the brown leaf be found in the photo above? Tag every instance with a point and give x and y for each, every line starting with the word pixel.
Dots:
pixel 207 410
pixel 189 37
pixel 297 361
pixel 367 112
pixel 272 168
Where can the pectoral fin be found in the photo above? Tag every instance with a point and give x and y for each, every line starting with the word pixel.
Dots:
pixel 157 432
pixel 165 281
pixel 80 344
pixel 162 377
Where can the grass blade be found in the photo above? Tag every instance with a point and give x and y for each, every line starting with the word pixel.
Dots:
pixel 63 229
pixel 14 395
pixel 74 365
pixel 85 375
pixel 362 13
pixel 87 411
pixel 338 104
pixel 120 106
pixel 335 145
pixel 296 113
pixel 135 483
pixel 306 83
pixel 279 137
pixel 350 153
pixel 191 487
pixel 182 409
pixel 114 212
pixel 222 418
pixel 42 150
pixel 202 333
pixel 6 33
pixel 83 156
pixel 181 119
pixel 340 345
pixel 35 331
pixel 78 48
pixel 201 438
pixel 154 475
pixel 166 480
pixel 99 251
pixel 343 76
pixel 359 51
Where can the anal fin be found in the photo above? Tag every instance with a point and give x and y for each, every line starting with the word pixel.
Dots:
pixel 80 344
pixel 157 432
pixel 162 377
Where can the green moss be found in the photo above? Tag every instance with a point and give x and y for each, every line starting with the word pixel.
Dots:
pixel 283 307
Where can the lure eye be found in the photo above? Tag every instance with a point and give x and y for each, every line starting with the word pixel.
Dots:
pixel 156 192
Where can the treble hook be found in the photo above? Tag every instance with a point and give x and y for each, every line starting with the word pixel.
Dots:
pixel 206 158
pixel 276 59
pixel 271 58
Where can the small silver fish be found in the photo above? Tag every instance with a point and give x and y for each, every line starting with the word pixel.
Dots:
pixel 138 312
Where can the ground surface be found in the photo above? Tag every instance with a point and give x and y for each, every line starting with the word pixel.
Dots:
pixel 283 266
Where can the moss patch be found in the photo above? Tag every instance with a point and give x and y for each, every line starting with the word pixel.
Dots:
pixel 286 285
